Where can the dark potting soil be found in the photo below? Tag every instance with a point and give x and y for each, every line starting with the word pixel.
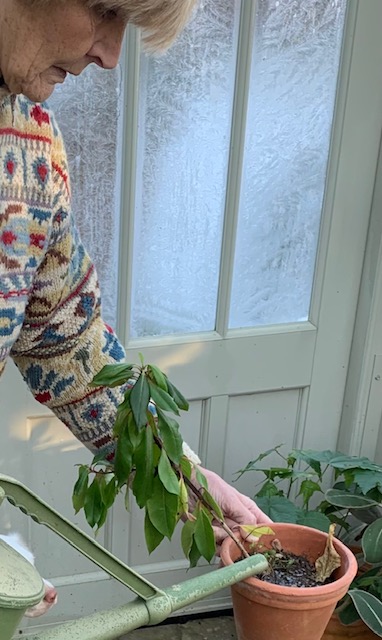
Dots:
pixel 290 570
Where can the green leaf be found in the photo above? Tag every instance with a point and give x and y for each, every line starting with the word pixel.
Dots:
pixel 347 612
pixel 123 412
pixel 183 498
pixel 172 440
pixel 158 376
pixel 194 555
pixel 152 535
pixel 201 478
pixel 123 458
pixel 162 399
pixel 343 462
pixel 369 609
pixel 367 480
pixel 167 474
pixel 210 500
pixel 162 508
pixel 143 461
pixel 139 400
pixel 93 506
pixel 307 489
pixel 109 491
pixel 313 519
pixel 186 467
pixel 80 488
pixel 178 398
pixel 347 500
pixel 102 518
pixel 204 536
pixel 269 488
pixel 278 508
pixel 372 542
pixel 113 375
pixel 187 536
pixel 99 459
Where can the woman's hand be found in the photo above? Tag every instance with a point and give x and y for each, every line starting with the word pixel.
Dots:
pixel 237 508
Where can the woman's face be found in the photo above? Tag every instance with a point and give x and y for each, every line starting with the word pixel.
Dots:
pixel 39 46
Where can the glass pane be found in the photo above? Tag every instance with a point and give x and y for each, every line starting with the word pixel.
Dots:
pixel 293 83
pixel 84 107
pixel 186 105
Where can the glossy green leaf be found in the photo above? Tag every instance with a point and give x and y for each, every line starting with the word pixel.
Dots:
pixel 372 542
pixel 139 400
pixel 152 536
pixel 123 412
pixel 269 488
pixel 194 555
pixel 102 518
pixel 213 504
pixel 278 508
pixel 109 491
pixel 347 500
pixel 167 474
pixel 204 536
pixel 183 498
pixel 187 536
pixel 178 398
pixel 158 376
pixel 144 468
pixel 347 612
pixel 113 375
pixel 369 609
pixel 80 488
pixel 162 399
pixel 172 440
pixel 162 508
pixel 343 462
pixel 123 458
pixel 93 506
pixel 186 467
pixel 307 489
pixel 100 460
pixel 201 478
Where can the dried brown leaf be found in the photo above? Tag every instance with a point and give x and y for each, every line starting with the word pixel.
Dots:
pixel 330 560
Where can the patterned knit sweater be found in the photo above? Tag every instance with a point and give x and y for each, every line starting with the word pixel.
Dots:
pixel 50 321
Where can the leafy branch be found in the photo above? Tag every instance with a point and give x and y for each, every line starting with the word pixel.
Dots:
pixel 149 463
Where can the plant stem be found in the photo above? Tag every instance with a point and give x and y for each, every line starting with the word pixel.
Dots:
pixel 224 526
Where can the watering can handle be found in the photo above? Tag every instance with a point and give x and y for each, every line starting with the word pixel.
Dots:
pixel 32 505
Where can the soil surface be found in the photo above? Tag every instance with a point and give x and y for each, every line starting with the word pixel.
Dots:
pixel 290 570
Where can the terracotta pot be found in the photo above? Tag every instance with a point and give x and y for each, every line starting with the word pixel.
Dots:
pixel 356 631
pixel 265 611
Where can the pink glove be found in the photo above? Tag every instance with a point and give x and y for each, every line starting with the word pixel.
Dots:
pixel 237 508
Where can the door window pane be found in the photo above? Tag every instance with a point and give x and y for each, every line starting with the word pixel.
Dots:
pixel 85 107
pixel 186 105
pixel 293 83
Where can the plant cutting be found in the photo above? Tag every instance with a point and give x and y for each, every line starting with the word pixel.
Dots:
pixel 149 463
pixel 352 501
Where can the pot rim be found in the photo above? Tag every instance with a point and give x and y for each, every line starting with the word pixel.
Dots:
pixel 230 552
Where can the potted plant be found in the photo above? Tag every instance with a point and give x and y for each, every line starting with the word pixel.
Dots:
pixel 279 606
pixel 149 463
pixel 352 500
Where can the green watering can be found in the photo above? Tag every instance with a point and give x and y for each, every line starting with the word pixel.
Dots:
pixel 22 587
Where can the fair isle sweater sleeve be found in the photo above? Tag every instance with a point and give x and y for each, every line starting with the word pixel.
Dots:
pixel 64 342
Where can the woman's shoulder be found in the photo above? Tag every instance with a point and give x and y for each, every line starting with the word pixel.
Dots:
pixel 28 120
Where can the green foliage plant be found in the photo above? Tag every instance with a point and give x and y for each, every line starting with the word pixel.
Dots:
pixel 149 463
pixel 347 490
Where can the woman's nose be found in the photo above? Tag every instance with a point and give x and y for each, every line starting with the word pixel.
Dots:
pixel 107 46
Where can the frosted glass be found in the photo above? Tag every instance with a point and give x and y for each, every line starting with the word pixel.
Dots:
pixel 87 110
pixel 186 107
pixel 293 83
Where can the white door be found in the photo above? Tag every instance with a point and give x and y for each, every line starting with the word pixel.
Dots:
pixel 243 206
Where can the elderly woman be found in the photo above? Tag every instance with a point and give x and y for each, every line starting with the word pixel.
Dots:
pixel 50 320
